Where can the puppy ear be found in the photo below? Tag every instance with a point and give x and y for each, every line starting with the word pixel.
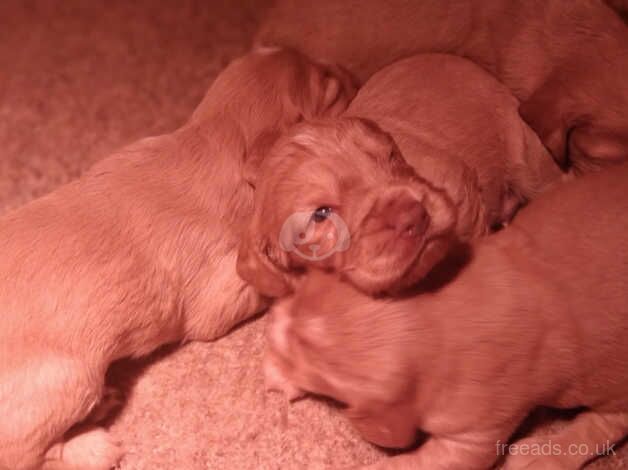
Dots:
pixel 547 112
pixel 257 153
pixel 256 264
pixel 329 93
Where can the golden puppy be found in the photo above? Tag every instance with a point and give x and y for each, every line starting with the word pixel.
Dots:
pixel 138 252
pixel 341 187
pixel 535 315
pixel 566 60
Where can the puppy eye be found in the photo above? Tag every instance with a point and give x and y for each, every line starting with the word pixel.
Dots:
pixel 321 214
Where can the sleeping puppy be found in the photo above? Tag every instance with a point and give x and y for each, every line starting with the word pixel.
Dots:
pixel 535 315
pixel 565 60
pixel 342 188
pixel 138 252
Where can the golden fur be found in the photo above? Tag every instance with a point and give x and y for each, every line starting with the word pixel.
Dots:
pixel 565 60
pixel 534 315
pixel 454 124
pixel 138 252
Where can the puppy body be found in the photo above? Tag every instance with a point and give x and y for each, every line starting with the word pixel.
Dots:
pixel 475 161
pixel 565 60
pixel 537 316
pixel 460 129
pixel 138 252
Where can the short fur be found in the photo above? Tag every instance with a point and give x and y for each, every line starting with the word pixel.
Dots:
pixel 534 315
pixel 565 60
pixel 459 129
pixel 138 252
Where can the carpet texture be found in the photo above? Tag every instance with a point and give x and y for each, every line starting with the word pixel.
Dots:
pixel 80 79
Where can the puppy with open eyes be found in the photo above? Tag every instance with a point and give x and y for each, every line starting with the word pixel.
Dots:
pixel 565 60
pixel 431 152
pixel 536 314
pixel 138 252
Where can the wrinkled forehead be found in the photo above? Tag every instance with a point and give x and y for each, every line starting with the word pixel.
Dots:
pixel 310 181
pixel 303 184
pixel 337 153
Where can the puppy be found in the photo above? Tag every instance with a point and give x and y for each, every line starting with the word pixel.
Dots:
pixel 138 252
pixel 341 186
pixel 536 314
pixel 565 60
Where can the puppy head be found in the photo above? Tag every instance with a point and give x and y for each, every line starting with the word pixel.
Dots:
pixel 271 89
pixel 327 339
pixel 337 195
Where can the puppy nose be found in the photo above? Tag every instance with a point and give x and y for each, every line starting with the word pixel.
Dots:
pixel 407 216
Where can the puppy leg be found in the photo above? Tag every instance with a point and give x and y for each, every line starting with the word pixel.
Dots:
pixel 40 399
pixel 276 380
pixel 440 453
pixel 588 436
pixel 87 448
pixel 112 399
pixel 277 333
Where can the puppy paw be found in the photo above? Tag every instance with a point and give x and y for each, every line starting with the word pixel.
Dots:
pixel 92 449
pixel 275 380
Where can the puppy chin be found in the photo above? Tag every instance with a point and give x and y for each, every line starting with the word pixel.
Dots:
pixel 374 282
pixel 401 270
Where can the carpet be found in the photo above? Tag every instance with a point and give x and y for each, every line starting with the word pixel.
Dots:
pixel 80 79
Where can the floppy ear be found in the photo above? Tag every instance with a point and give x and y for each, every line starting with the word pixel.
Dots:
pixel 256 266
pixel 329 93
pixel 548 114
pixel 256 155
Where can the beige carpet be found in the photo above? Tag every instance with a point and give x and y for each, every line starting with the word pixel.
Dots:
pixel 79 79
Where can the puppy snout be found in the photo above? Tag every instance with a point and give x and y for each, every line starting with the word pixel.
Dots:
pixel 407 216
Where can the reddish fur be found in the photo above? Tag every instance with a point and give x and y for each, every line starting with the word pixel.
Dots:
pixel 566 60
pixel 457 127
pixel 536 315
pixel 139 252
